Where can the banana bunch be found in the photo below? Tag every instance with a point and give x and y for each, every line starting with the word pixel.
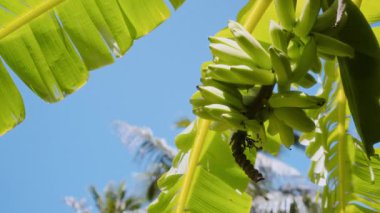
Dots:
pixel 250 86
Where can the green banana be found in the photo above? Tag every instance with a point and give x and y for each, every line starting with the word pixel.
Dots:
pixel 234 119
pixel 250 45
pixel 331 46
pixel 295 99
pixel 253 125
pixel 279 37
pixel 231 88
pixel 204 68
pixel 308 17
pixel 281 66
pixel 226 41
pixel 307 57
pixel 226 54
pixel 241 75
pixel 326 20
pixel 197 100
pixel 201 112
pixel 286 133
pixel 250 94
pixel 295 118
pixel 285 13
pixel 219 96
pixel 216 110
pixel 307 81
pixel 272 128
pixel 294 49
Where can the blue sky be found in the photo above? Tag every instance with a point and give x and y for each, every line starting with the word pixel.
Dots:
pixel 61 149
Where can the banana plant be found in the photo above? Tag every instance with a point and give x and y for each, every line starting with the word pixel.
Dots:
pixel 53 44
pixel 256 87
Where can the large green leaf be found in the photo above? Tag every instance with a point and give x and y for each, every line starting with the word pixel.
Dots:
pixel 52 45
pixel 341 166
pixel 371 10
pixel 218 183
pixel 361 76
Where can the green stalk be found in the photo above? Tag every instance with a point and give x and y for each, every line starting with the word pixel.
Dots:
pixel 28 17
pixel 255 15
pixel 250 24
pixel 193 162
pixel 342 155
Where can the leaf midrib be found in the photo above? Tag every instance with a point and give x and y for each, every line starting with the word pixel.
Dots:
pixel 28 17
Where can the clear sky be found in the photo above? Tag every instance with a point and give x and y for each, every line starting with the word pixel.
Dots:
pixel 61 149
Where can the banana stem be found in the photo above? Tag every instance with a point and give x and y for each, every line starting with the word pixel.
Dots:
pixel 256 13
pixel 193 162
pixel 342 155
pixel 28 16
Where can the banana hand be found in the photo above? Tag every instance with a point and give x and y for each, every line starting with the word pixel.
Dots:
pixel 250 45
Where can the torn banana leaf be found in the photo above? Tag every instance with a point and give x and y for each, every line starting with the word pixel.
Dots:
pixel 52 45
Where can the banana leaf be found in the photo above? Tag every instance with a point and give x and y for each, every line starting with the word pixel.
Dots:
pixel 371 10
pixel 361 76
pixel 348 177
pixel 218 183
pixel 52 45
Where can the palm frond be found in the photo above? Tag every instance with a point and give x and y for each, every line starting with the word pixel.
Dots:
pixel 80 206
pixel 145 145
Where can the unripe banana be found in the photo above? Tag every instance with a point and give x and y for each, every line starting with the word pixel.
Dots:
pixel 308 17
pixel 303 64
pixel 218 96
pixel 197 100
pixel 272 128
pixel 281 66
pixel 201 112
pixel 253 125
pixel 204 68
pixel 231 56
pixel 231 88
pixel 327 19
pixel 286 133
pixel 222 40
pixel 294 50
pixel 331 46
pixel 250 45
pixel 216 110
pixel 295 99
pixel 234 119
pixel 295 118
pixel 307 81
pixel 241 75
pixel 285 13
pixel 279 37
